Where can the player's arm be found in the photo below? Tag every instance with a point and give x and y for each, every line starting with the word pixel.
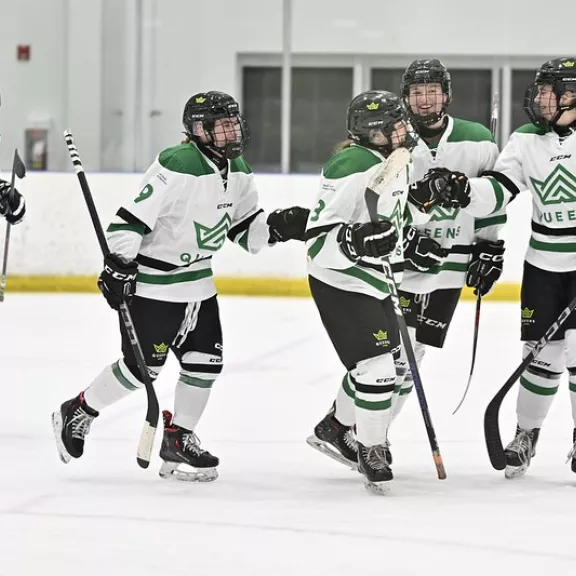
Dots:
pixel 334 237
pixel 132 222
pixel 252 229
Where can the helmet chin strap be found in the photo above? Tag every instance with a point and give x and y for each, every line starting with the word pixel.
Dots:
pixel 215 154
pixel 426 132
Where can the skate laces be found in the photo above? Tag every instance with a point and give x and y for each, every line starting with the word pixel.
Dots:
pixel 80 424
pixel 522 441
pixel 572 453
pixel 191 442
pixel 350 441
pixel 376 457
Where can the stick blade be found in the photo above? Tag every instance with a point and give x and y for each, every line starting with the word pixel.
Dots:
pixel 389 170
pixel 19 166
pixel 492 436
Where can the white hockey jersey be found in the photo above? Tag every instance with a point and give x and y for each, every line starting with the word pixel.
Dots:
pixel 466 147
pixel 182 216
pixel 341 201
pixel 544 163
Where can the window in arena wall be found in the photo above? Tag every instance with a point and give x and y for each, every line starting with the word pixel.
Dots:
pixel 471 91
pixel 521 79
pixel 320 97
pixel 261 106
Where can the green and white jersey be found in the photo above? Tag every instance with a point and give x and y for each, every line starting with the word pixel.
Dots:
pixel 544 163
pixel 466 147
pixel 341 201
pixel 181 218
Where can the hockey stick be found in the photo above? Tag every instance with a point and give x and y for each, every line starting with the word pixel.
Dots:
pixel 396 162
pixel 491 426
pixel 153 411
pixel 18 170
pixel 493 129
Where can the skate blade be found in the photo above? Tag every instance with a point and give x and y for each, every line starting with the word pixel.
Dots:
pixel 329 450
pixel 170 471
pixel 378 488
pixel 512 472
pixel 57 426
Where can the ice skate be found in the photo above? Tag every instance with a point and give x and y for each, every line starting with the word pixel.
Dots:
pixel 71 424
pixel 520 451
pixel 372 464
pixel 572 454
pixel 335 440
pixel 181 446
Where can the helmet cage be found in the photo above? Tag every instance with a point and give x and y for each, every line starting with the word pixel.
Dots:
pixel 206 109
pixel 426 72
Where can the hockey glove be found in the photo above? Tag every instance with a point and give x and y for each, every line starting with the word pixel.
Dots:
pixel 485 265
pixel 287 224
pixel 440 187
pixel 421 251
pixel 117 282
pixel 13 209
pixel 368 239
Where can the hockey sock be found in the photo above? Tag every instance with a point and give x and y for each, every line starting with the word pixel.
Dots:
pixel 538 385
pixel 112 384
pixel 374 380
pixel 345 409
pixel 190 399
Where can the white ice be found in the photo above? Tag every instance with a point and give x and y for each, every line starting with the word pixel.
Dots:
pixel 278 507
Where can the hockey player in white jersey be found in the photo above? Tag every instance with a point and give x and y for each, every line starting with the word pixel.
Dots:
pixel 540 157
pixel 443 254
pixel 193 197
pixel 349 286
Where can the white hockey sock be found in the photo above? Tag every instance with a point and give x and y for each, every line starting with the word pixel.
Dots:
pixel 112 384
pixel 345 411
pixel 572 385
pixel 402 395
pixel 407 384
pixel 374 381
pixel 538 384
pixel 534 399
pixel 190 399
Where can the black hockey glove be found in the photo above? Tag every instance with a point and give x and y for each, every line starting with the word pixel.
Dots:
pixel 287 224
pixel 440 187
pixel 422 251
pixel 485 265
pixel 117 282
pixel 368 239
pixel 12 209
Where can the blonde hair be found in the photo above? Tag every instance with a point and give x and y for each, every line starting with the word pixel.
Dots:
pixel 342 146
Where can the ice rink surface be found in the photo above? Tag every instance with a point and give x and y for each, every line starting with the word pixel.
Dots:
pixel 278 508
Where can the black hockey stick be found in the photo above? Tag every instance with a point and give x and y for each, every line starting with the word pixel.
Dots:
pixel 491 425
pixel 493 129
pixel 153 411
pixel 474 349
pixel 396 162
pixel 18 171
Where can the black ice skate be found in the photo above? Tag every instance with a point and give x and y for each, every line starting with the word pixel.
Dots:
pixel 335 440
pixel 181 446
pixel 520 452
pixel 71 424
pixel 372 464
pixel 572 453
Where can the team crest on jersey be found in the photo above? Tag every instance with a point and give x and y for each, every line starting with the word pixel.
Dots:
pixel 438 213
pixel 558 187
pixel 212 238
